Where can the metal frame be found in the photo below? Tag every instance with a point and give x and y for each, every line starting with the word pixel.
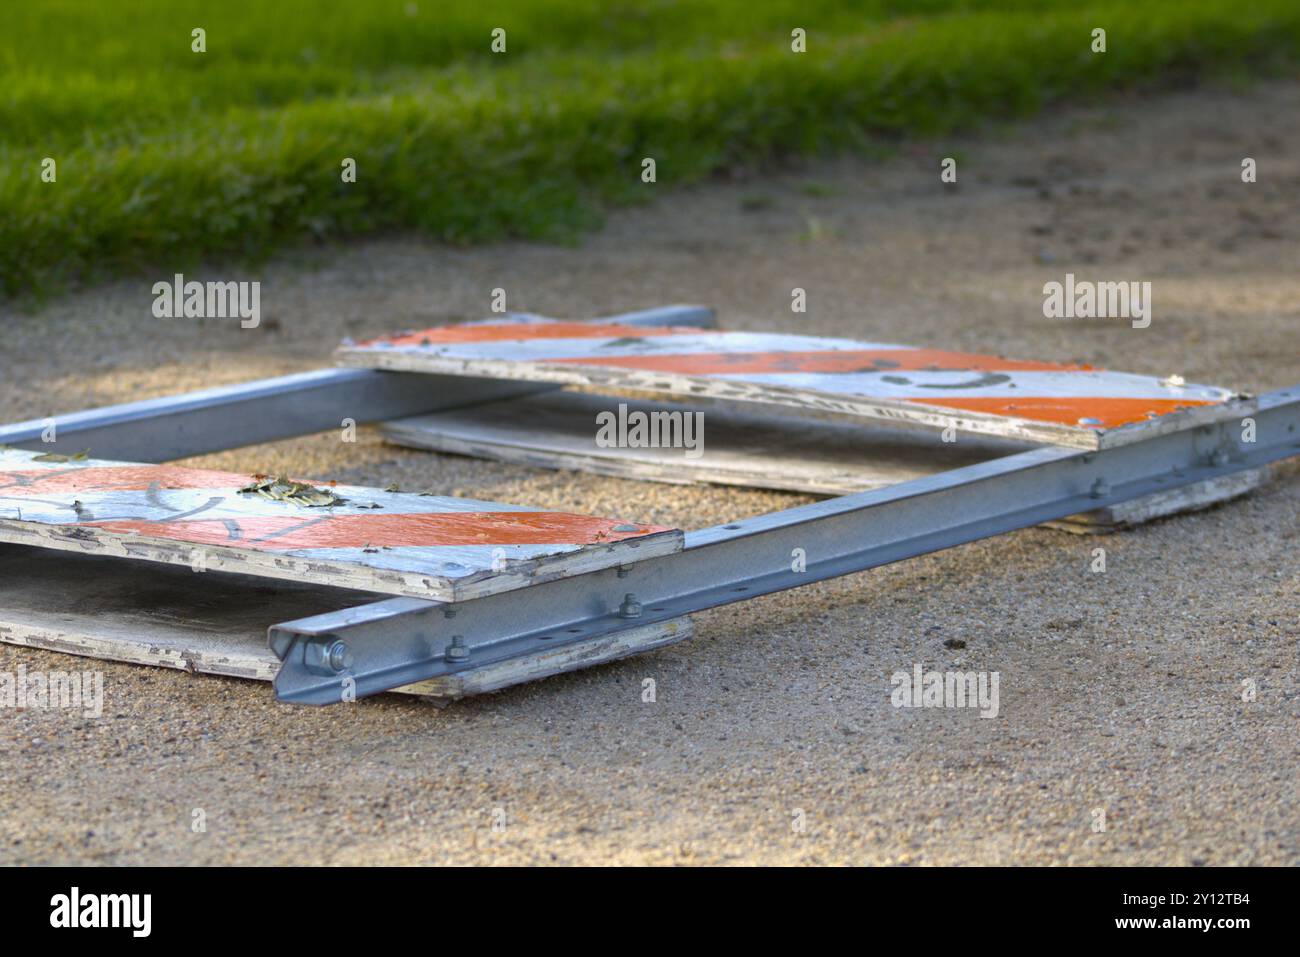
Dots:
pixel 400 641
pixel 266 410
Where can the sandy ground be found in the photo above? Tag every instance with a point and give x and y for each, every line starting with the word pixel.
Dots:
pixel 1119 691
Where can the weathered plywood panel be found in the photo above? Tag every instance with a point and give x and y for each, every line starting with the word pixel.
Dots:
pixel 397 543
pixel 171 617
pixel 734 448
pixel 1062 403
pixel 1174 501
pixel 167 616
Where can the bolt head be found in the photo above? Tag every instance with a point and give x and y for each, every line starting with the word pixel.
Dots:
pixel 631 608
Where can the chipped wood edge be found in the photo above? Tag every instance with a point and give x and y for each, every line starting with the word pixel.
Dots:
pixel 1174 501
pixel 240 660
pixel 1189 418
pixel 568 657
pixel 518 574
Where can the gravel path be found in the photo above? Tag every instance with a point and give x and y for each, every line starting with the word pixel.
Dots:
pixel 1119 691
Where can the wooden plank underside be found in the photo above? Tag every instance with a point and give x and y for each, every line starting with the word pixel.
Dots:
pixel 1174 501
pixel 1060 403
pixel 559 431
pixel 95 607
pixel 399 543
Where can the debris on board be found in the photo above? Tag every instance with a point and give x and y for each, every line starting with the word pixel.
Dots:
pixel 58 457
pixel 295 493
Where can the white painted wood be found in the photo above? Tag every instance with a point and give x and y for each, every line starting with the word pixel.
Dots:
pixel 205 623
pixel 559 431
pixel 1175 501
pixel 581 654
pixel 791 371
pixel 399 543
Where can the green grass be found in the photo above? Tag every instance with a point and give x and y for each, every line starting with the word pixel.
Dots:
pixel 165 156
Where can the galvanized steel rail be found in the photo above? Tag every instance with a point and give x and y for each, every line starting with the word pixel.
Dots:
pixel 400 641
pixel 229 417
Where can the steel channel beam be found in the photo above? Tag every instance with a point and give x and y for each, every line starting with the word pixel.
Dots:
pixel 266 410
pixel 400 641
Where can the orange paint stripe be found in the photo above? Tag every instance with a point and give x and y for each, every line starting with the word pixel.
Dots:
pixel 1067 411
pixel 114 478
pixel 863 360
pixel 279 533
pixel 545 330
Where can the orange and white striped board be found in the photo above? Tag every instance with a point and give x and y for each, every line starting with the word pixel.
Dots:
pixel 1061 403
pixel 399 543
